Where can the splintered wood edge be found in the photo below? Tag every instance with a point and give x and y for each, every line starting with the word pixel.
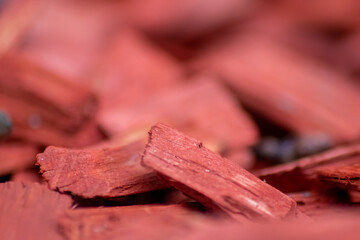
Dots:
pixel 140 181
pixel 287 210
pixel 330 156
pixel 347 177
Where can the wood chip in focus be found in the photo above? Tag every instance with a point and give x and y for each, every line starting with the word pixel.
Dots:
pixel 105 172
pixel 212 180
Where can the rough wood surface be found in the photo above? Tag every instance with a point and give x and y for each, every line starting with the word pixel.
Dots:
pixel 30 211
pixel 103 223
pixel 302 95
pixel 108 172
pixel 162 225
pixel 214 181
pixel 343 176
pixel 323 206
pixel 166 225
pixel 204 109
pixel 302 174
pixel 16 156
pixel 343 227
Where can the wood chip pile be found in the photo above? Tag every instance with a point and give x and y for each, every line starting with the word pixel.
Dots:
pixel 192 119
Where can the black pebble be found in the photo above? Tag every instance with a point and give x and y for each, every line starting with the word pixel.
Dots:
pixel 5 125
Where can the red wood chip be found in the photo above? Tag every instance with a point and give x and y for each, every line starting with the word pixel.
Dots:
pixel 103 223
pixel 204 109
pixel 60 39
pixel 333 228
pixel 302 95
pixel 343 176
pixel 44 107
pixel 30 211
pixel 214 181
pixel 321 206
pixel 304 172
pixel 118 81
pixel 108 172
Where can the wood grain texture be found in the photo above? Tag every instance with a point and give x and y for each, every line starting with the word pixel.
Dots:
pixel 347 176
pixel 108 172
pixel 342 227
pixel 303 173
pixel 30 211
pixel 104 223
pixel 324 206
pixel 213 181
pixel 155 226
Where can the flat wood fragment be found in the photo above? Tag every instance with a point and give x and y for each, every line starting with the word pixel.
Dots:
pixel 30 211
pixel 323 206
pixel 16 156
pixel 302 95
pixel 204 109
pixel 303 173
pixel 214 181
pixel 347 176
pixel 59 39
pixel 103 223
pixel 172 226
pixel 105 172
pixel 162 225
pixel 332 228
